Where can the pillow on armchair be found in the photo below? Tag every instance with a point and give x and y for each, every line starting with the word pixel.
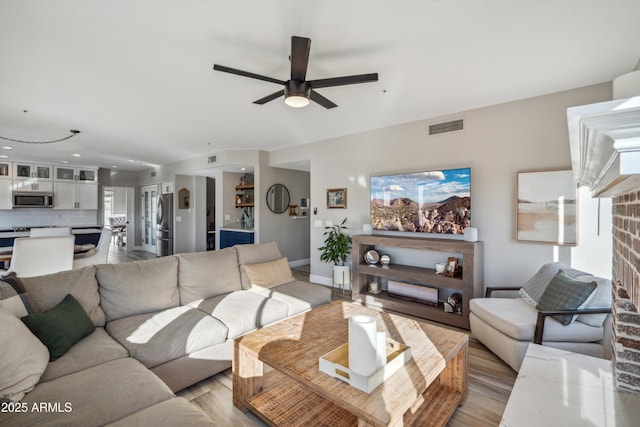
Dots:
pixel 565 293
pixel 532 290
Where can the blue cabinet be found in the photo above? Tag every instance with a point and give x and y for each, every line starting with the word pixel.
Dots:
pixel 230 238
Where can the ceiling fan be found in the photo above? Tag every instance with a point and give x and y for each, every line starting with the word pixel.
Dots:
pixel 297 91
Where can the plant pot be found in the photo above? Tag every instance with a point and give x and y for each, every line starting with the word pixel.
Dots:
pixel 341 275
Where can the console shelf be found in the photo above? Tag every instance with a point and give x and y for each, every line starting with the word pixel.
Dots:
pixel 469 285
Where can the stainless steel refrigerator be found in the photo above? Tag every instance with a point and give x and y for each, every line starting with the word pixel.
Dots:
pixel 164 225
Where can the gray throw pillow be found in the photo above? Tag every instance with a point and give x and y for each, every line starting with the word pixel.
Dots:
pixel 13 296
pixel 532 290
pixel 565 293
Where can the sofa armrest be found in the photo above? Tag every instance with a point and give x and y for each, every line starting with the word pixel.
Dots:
pixel 542 316
pixel 491 289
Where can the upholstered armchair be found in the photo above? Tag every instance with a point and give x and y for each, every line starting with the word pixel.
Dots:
pixel 566 309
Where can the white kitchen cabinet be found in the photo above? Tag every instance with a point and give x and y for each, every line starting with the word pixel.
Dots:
pixel 23 171
pixel 5 194
pixel 32 185
pixel 73 174
pixel 6 170
pixel 70 195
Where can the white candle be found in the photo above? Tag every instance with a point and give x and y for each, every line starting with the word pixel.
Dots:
pixel 374 287
pixel 362 344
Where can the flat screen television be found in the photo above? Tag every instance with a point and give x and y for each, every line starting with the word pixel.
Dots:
pixel 437 202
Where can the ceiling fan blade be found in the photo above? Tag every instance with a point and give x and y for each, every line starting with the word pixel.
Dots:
pixel 300 47
pixel 316 97
pixel 271 97
pixel 246 74
pixel 346 80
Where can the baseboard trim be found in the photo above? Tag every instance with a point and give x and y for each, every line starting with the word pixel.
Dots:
pixel 300 262
pixel 325 281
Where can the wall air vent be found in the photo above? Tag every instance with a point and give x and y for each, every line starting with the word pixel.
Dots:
pixel 446 127
pixel 212 159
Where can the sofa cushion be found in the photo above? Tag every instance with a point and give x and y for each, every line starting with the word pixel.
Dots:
pixel 602 298
pixel 255 254
pixel 565 293
pixel 45 292
pixel 517 319
pixel 203 275
pixel 243 311
pixel 13 296
pixel 172 412
pixel 299 296
pixel 155 338
pixel 533 289
pixel 60 327
pixel 94 396
pixel 138 287
pixel 90 351
pixel 269 274
pixel 23 358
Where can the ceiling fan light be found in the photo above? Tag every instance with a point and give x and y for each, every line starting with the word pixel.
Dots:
pixel 296 101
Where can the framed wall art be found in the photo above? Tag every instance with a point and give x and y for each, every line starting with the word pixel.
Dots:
pixel 547 207
pixel 337 198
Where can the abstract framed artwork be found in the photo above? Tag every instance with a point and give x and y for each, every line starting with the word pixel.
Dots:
pixel 547 207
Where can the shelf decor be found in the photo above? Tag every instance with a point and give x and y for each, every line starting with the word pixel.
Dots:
pixel 547 207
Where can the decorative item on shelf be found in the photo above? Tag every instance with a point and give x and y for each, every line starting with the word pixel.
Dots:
pixel 385 260
pixel 374 286
pixel 470 234
pixel 416 293
pixel 293 210
pixel 452 267
pixel 371 257
pixel 453 304
pixel 336 250
pixel 367 229
pixel 238 199
pixel 440 266
pixel 337 198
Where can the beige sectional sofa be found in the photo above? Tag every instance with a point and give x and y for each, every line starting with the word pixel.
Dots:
pixel 161 325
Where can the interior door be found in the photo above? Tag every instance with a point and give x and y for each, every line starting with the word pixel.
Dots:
pixel 149 205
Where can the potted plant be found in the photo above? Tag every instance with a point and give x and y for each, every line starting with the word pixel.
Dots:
pixel 336 249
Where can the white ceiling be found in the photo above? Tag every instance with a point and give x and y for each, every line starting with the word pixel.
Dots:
pixel 136 76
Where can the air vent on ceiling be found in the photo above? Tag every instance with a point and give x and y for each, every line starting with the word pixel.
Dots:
pixel 451 126
pixel 212 159
pixel 153 174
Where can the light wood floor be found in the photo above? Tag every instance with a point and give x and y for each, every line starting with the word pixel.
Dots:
pixel 490 379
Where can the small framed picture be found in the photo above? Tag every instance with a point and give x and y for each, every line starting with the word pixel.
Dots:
pixel 337 198
pixel 293 210
pixel 451 267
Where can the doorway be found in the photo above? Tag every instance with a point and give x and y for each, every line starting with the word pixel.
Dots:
pixel 149 206
pixel 117 211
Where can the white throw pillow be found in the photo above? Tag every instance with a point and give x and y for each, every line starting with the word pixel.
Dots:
pixel 23 358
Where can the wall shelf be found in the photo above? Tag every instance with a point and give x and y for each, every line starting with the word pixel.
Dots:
pixel 469 285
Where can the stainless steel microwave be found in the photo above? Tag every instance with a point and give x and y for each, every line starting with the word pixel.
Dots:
pixel 32 200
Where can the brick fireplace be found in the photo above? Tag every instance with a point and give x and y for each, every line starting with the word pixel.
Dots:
pixel 626 282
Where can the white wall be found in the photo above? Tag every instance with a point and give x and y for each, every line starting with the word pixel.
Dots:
pixel 496 142
pixel 291 235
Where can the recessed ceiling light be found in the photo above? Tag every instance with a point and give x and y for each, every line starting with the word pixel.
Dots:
pixel 76 155
pixel 132 161
pixel 7 148
pixel 64 161
pixel 3 156
pixel 244 169
pixel 115 167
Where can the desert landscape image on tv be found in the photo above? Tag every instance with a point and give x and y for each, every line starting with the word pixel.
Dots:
pixel 423 202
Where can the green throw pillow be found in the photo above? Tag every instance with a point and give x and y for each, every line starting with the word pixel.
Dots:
pixel 61 327
pixel 565 293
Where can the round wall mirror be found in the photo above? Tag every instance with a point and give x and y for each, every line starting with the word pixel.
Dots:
pixel 278 198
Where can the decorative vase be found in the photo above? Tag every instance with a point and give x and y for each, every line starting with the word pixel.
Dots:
pixel 341 275
pixel 470 234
